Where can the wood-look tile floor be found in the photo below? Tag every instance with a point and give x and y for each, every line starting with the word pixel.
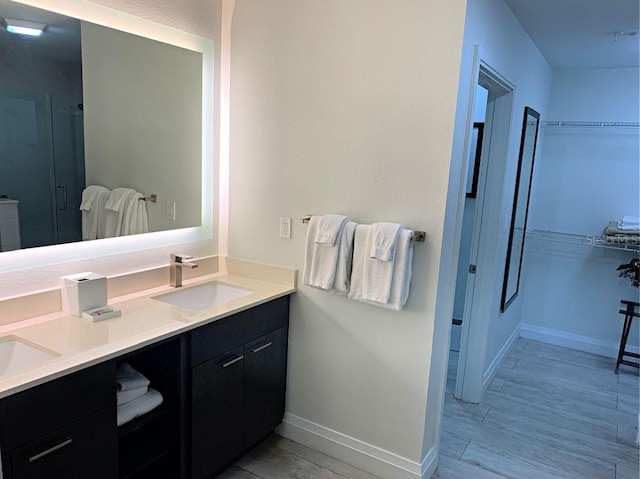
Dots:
pixel 550 412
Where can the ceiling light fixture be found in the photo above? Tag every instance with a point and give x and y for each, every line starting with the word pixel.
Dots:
pixel 615 35
pixel 24 27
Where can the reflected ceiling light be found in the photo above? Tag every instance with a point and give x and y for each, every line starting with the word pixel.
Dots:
pixel 24 27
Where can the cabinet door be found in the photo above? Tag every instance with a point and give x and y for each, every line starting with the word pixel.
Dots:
pixel 216 413
pixel 265 372
pixel 84 449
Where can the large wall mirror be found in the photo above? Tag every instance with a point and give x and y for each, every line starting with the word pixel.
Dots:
pixel 519 214
pixel 101 98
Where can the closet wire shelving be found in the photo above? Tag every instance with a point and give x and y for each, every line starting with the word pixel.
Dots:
pixel 597 240
pixel 591 124
pixel 594 240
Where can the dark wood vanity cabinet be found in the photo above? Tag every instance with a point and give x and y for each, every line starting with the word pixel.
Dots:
pixel 63 429
pixel 238 384
pixel 223 388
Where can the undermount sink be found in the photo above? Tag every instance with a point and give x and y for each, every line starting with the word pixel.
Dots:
pixel 203 296
pixel 16 354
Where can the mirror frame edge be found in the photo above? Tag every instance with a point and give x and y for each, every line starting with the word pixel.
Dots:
pixel 504 302
pixel 62 253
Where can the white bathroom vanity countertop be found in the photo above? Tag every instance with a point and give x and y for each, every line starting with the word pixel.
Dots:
pixel 81 343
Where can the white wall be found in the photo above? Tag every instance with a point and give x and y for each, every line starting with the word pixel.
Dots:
pixel 143 121
pixel 586 177
pixel 201 17
pixel 347 107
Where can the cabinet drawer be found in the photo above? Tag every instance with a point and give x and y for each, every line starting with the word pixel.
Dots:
pixel 234 331
pixel 50 406
pixel 84 449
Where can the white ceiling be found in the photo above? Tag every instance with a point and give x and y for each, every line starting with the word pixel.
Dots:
pixel 60 40
pixel 569 33
pixel 577 33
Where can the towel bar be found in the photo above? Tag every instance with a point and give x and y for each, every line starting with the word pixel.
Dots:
pixel 150 199
pixel 418 236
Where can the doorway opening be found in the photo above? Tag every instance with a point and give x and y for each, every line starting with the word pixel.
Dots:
pixel 481 227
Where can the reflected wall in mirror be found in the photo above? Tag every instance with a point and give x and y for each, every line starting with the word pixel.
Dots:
pixel 519 214
pixel 84 104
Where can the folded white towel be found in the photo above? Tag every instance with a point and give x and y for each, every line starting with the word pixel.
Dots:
pixel 329 267
pixel 402 266
pixel 128 378
pixel 129 395
pixel 329 228
pixel 378 275
pixel 629 223
pixel 94 198
pixel 383 240
pixel 131 410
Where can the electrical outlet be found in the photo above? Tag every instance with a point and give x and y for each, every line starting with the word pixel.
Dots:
pixel 285 228
pixel 171 210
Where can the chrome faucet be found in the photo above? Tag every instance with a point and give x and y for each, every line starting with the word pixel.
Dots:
pixel 178 261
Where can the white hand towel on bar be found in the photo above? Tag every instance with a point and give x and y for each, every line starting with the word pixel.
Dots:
pixel 402 266
pixel 131 410
pixel 384 238
pixel 629 223
pixel 92 204
pixel 329 228
pixel 377 274
pixel 328 267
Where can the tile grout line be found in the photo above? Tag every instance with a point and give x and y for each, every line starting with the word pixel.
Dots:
pixel 252 473
pixel 320 465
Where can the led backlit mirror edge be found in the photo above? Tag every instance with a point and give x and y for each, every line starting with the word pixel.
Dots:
pixel 56 254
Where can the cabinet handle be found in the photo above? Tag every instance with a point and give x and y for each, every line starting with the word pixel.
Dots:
pixel 64 443
pixel 229 362
pixel 256 348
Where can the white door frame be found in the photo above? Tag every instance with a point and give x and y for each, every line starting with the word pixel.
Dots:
pixel 487 228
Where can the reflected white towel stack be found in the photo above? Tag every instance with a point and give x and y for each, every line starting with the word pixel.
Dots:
pixel 126 213
pixel 94 198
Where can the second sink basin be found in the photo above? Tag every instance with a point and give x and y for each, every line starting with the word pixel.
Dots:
pixel 16 354
pixel 203 296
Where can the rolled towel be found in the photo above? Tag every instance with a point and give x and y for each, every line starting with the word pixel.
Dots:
pixel 131 410
pixel 128 378
pixel 129 395
pixel 383 240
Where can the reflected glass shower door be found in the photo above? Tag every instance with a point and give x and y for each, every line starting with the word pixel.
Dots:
pixel 26 163
pixel 68 153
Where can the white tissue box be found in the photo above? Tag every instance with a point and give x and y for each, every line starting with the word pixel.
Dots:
pixel 82 292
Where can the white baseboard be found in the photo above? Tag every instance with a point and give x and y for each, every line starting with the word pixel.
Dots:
pixel 360 454
pixel 497 361
pixel 572 341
